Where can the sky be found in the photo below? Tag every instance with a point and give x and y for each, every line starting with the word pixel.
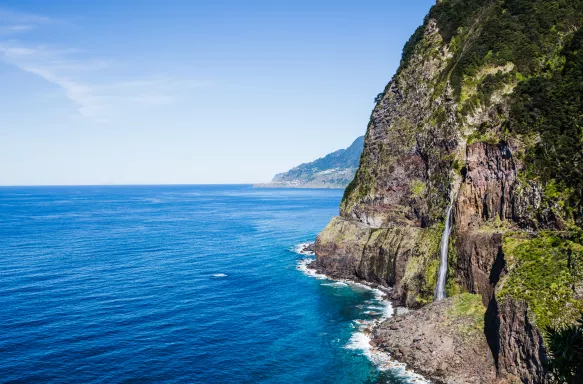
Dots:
pixel 189 91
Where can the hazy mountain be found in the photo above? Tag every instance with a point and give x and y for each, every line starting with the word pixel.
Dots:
pixel 335 170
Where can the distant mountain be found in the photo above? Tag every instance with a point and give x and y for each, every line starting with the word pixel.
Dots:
pixel 335 170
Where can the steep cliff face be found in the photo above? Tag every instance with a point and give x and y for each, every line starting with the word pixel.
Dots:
pixel 485 113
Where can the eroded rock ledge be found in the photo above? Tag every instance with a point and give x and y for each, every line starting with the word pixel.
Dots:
pixel 443 341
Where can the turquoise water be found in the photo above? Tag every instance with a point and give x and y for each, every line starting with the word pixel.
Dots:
pixel 173 284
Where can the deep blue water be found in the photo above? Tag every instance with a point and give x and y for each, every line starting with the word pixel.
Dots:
pixel 172 284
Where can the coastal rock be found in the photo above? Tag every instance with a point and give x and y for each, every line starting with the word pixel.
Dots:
pixel 459 351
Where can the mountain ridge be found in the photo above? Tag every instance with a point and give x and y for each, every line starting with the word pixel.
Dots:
pixel 335 170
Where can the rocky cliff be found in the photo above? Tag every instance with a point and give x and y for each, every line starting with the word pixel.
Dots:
pixel 335 170
pixel 485 113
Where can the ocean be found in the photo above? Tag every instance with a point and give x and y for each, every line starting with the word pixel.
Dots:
pixel 175 284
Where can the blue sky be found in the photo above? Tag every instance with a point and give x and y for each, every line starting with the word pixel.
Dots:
pixel 177 91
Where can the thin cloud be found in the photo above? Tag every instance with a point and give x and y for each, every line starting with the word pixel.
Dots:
pixel 73 73
pixel 16 22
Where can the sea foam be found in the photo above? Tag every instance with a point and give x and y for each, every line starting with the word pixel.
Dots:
pixel 360 339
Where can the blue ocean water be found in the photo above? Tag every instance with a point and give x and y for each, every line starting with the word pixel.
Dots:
pixel 172 284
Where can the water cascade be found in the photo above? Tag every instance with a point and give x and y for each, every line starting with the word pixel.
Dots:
pixel 442 272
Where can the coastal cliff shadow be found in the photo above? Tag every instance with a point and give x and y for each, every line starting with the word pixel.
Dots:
pixel 492 315
pixel 498 268
pixel 492 329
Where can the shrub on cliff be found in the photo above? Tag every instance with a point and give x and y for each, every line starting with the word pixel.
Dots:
pixel 566 353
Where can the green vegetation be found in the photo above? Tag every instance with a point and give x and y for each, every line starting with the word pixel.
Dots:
pixel 530 51
pixel 418 188
pixel 551 110
pixel 498 32
pixel 420 276
pixel 546 271
pixel 467 312
pixel 452 285
pixel 566 353
pixel 409 47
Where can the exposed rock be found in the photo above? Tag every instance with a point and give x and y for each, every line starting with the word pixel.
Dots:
pixel 517 344
pixel 480 262
pixel 459 352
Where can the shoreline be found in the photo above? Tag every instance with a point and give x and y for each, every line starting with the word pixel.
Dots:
pixel 361 338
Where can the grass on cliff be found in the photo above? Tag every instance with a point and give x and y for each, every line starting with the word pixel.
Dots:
pixel 467 312
pixel 545 271
pixel 498 32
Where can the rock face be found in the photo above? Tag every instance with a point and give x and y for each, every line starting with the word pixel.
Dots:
pixel 517 344
pixel 443 341
pixel 335 170
pixel 479 117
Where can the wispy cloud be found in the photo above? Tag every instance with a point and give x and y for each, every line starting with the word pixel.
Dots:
pixel 76 73
pixel 15 22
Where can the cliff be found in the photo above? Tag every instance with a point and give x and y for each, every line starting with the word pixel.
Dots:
pixel 485 113
pixel 335 170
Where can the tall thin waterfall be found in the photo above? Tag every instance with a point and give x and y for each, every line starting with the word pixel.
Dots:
pixel 442 273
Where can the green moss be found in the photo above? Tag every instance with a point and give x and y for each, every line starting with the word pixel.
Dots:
pixel 452 286
pixel 417 187
pixel 544 269
pixel 360 187
pixel 420 276
pixel 484 136
pixel 431 275
pixel 495 225
pixel 467 312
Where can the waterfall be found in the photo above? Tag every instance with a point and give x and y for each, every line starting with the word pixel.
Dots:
pixel 442 273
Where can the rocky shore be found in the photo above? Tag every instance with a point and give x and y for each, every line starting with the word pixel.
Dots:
pixel 443 341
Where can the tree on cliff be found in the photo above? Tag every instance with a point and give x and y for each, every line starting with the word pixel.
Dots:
pixel 566 357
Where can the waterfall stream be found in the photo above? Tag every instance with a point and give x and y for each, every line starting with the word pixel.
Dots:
pixel 442 272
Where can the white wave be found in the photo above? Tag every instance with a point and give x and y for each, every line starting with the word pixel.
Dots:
pixel 219 275
pixel 300 249
pixel 336 284
pixel 303 265
pixel 360 339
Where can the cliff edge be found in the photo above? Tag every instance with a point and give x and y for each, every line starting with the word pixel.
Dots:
pixel 485 115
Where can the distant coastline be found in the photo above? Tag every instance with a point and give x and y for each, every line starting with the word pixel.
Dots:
pixel 299 185
pixel 333 171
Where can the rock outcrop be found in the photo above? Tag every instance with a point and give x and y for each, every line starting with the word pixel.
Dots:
pixel 443 341
pixel 484 114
